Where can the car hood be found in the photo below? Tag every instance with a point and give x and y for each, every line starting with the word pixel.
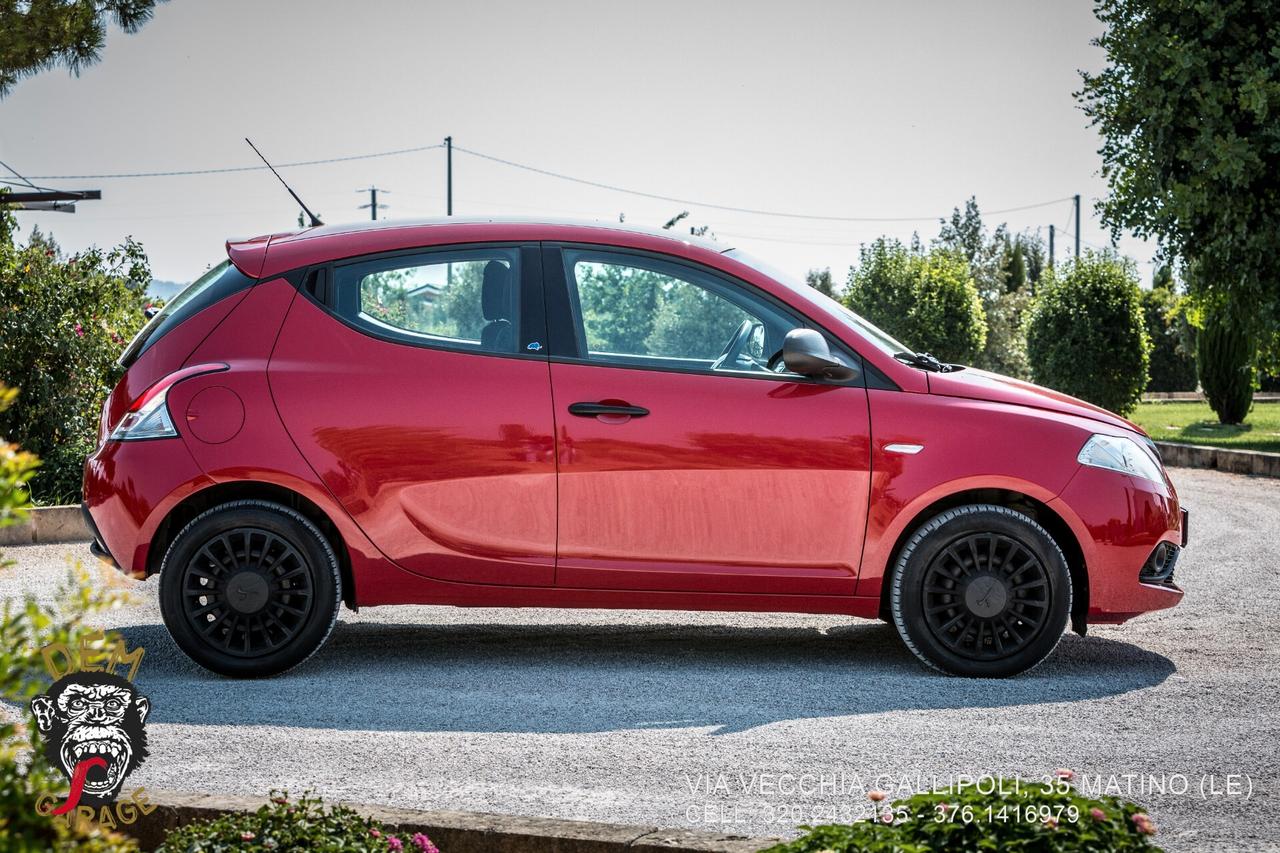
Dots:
pixel 976 384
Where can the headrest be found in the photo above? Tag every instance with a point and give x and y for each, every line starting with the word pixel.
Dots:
pixel 495 292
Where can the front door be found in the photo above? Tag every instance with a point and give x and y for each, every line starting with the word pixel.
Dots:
pixel 686 462
pixel 417 388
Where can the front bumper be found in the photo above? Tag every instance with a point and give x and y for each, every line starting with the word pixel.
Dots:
pixel 1119 521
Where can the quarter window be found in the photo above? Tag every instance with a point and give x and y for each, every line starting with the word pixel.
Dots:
pixel 467 299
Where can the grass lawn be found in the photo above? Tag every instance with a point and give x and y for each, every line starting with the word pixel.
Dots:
pixel 1191 422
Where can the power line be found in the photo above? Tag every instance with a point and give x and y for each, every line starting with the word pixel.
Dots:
pixel 19 176
pixel 755 211
pixel 236 168
pixel 546 173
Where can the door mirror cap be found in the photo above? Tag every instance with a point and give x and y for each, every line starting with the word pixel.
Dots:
pixel 805 351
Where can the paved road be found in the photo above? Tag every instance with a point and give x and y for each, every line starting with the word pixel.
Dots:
pixel 686 719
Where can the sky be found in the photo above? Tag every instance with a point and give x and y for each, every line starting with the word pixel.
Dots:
pixel 890 112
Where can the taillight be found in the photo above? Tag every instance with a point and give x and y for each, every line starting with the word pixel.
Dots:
pixel 148 416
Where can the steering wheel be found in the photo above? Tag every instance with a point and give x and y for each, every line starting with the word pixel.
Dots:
pixel 735 354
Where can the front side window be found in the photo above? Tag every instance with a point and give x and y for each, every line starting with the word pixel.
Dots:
pixel 640 311
pixel 467 299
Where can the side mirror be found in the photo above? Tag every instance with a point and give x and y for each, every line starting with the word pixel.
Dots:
pixel 805 351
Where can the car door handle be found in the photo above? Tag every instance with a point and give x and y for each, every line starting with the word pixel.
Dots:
pixel 591 410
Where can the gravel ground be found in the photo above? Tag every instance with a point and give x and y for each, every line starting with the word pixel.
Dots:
pixel 712 720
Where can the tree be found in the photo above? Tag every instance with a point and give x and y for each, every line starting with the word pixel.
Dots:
pixel 1005 269
pixel 927 299
pixel 1188 107
pixel 1087 336
pixel 1224 360
pixel 39 34
pixel 820 280
pixel 1173 364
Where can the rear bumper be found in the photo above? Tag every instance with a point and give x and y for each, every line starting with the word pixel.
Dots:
pixel 129 488
pixel 97 547
pixel 1118 522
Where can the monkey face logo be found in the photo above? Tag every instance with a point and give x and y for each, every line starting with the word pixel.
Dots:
pixel 92 724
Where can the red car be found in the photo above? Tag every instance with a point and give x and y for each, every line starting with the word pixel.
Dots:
pixel 484 413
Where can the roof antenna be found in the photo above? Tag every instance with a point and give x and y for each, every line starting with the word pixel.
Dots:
pixel 315 220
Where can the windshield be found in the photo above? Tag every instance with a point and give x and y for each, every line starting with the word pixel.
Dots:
pixel 881 339
pixel 219 282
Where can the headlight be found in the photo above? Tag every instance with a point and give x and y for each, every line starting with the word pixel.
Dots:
pixel 1118 453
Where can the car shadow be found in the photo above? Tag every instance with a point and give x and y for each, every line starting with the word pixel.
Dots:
pixel 584 678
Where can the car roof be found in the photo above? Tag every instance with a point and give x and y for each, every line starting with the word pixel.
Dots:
pixel 271 254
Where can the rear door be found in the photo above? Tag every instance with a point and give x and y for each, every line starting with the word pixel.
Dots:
pixel 416 385
pixel 686 464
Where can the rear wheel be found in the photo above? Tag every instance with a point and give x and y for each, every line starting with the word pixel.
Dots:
pixel 981 591
pixel 250 588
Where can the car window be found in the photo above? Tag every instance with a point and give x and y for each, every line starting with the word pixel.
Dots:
pixel 645 312
pixel 466 299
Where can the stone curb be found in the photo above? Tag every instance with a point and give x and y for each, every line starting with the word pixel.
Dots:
pixel 47 524
pixel 463 832
pixel 1220 459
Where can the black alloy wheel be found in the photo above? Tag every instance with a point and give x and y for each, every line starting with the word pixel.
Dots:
pixel 250 588
pixel 980 590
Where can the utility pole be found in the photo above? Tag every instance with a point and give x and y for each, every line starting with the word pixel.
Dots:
pixel 1051 230
pixel 448 175
pixel 373 205
pixel 1077 200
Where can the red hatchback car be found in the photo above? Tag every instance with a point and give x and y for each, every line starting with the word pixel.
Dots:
pixel 518 414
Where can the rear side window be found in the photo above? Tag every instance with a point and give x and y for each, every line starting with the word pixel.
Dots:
pixel 215 285
pixel 466 299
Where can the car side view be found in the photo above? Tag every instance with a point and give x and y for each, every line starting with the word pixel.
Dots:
pixel 527 414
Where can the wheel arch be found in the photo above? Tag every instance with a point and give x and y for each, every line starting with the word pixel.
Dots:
pixel 220 493
pixel 1037 510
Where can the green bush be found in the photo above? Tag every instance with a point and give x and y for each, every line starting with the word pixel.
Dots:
pixel 1172 367
pixel 1011 815
pixel 283 825
pixel 64 324
pixel 927 299
pixel 25 628
pixel 1087 336
pixel 1224 360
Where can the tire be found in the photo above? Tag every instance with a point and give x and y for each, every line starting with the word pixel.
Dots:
pixel 250 589
pixel 981 591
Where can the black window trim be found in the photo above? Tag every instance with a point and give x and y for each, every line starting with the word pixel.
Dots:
pixel 567 344
pixel 532 312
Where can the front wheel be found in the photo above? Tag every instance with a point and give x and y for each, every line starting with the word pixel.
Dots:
pixel 250 588
pixel 981 591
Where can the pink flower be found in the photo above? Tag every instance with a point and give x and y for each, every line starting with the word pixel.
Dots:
pixel 1144 824
pixel 1097 813
pixel 424 843
pixel 394 843
pixel 375 833
pixel 887 817
pixel 79 331
pixel 1064 773
pixel 247 836
pixel 1051 823
pixel 876 796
